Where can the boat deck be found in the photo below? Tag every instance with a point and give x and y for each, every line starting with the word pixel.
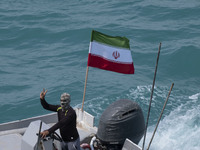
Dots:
pixel 11 133
pixel 13 141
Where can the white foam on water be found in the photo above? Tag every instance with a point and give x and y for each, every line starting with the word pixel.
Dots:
pixel 180 130
pixel 195 96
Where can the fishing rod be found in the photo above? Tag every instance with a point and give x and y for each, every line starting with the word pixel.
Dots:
pixel 145 131
pixel 160 116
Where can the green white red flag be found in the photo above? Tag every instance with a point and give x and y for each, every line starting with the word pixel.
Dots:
pixel 110 53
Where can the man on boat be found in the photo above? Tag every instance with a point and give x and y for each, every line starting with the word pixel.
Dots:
pixel 66 121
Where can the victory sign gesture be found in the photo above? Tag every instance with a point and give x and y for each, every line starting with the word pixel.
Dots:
pixel 43 93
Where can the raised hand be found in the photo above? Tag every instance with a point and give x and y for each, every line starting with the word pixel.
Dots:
pixel 43 93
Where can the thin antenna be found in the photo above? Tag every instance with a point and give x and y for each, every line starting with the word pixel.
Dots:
pixel 160 116
pixel 38 141
pixel 145 131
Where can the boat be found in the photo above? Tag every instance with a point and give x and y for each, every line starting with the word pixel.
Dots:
pixel 121 126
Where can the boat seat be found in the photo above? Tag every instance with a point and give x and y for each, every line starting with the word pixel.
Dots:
pixel 129 145
pixel 11 141
pixel 83 133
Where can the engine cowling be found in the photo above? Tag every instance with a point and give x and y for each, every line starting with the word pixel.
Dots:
pixel 122 119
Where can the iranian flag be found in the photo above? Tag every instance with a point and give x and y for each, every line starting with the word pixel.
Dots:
pixel 110 53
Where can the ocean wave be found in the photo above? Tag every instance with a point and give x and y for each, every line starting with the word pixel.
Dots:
pixel 180 130
pixel 195 96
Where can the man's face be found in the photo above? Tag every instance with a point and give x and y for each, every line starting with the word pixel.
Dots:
pixel 63 103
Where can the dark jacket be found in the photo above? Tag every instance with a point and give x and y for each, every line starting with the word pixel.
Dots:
pixel 66 121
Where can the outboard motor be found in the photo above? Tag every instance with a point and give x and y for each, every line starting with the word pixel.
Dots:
pixel 122 119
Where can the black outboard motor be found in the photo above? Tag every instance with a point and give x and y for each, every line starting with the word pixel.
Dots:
pixel 122 119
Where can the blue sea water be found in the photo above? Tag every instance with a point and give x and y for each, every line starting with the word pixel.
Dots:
pixel 44 44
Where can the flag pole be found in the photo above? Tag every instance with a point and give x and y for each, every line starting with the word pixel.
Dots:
pixel 145 131
pixel 86 76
